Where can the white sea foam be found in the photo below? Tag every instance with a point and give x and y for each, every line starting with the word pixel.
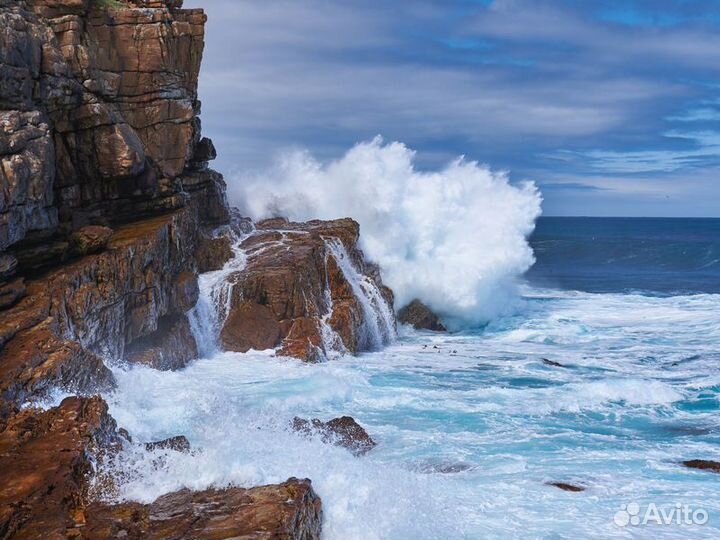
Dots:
pixel 456 238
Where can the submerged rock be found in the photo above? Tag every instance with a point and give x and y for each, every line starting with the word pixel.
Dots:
pixel 283 511
pixel 566 487
pixel 300 292
pixel 552 363
pixel 343 431
pixel 703 464
pixel 420 317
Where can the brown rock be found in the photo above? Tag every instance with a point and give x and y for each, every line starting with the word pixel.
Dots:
pixel 293 283
pixel 565 486
pixel 45 461
pixel 703 464
pixel 90 239
pixel 213 253
pixel 420 317
pixel 177 444
pixel 343 431
pixel 185 292
pixel 11 293
pixel 250 326
pixel 283 511
pixel 172 346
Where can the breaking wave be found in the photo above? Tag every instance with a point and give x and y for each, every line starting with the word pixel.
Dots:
pixel 456 238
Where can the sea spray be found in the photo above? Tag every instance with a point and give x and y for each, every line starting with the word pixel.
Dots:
pixel 456 238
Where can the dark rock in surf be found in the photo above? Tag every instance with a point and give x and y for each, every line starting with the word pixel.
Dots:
pixel 420 317
pixel 552 363
pixel 566 487
pixel 703 465
pixel 177 444
pixel 343 431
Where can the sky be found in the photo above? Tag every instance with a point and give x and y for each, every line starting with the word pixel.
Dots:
pixel 611 107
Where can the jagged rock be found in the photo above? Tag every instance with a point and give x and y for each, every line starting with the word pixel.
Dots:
pixel 551 363
pixel 46 459
pixel 566 487
pixel 283 511
pixel 420 317
pixel 343 431
pixel 204 151
pixel 170 347
pixel 12 292
pixel 177 444
pixel 36 360
pixel 703 464
pixel 293 284
pixel 90 239
pixel 213 253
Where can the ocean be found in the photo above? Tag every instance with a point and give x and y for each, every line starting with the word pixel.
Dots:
pixel 603 374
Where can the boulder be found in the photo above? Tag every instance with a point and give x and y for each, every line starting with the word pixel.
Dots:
pixel 299 290
pixel 185 292
pixel 90 239
pixel 420 317
pixel 343 431
pixel 282 511
pixel 213 253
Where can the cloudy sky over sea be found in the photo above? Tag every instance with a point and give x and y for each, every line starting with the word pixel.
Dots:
pixel 611 107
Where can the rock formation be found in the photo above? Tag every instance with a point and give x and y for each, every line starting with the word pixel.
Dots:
pixel 420 317
pixel 343 431
pixel 106 199
pixel 306 289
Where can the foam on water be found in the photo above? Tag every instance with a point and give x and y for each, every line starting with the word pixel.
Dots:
pixel 632 399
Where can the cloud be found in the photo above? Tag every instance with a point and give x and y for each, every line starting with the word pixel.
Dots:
pixel 523 85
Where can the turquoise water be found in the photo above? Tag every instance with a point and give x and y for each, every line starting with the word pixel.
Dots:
pixel 471 426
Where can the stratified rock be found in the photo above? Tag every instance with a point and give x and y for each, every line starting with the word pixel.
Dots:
pixel 290 510
pixel 420 317
pixel 11 293
pixel 343 431
pixel 566 487
pixel 36 361
pixel 213 253
pixel 90 239
pixel 177 444
pixel 703 464
pixel 293 293
pixel 170 347
pixel 46 458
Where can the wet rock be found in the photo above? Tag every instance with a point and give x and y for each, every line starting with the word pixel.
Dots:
pixel 172 346
pixel 703 465
pixel 213 253
pixel 90 239
pixel 178 444
pixel 185 292
pixel 343 431
pixel 46 459
pixel 287 510
pixel 37 360
pixel 566 487
pixel 420 317
pixel 432 467
pixel 293 286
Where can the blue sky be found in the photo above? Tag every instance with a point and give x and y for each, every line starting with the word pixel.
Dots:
pixel 611 107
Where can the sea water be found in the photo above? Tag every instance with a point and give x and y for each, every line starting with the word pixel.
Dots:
pixel 472 425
